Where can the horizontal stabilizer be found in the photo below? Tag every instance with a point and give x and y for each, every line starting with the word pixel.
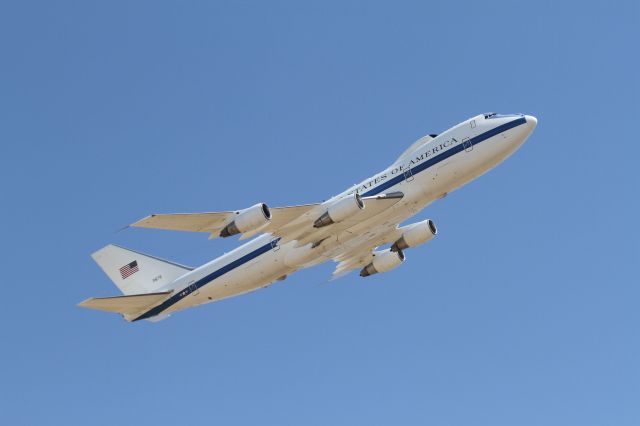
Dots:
pixel 126 305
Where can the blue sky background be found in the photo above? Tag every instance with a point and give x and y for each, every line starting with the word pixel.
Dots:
pixel 524 310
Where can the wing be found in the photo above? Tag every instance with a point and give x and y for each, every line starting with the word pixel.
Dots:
pixel 352 260
pixel 213 222
pixel 359 257
pixel 303 232
pixel 288 223
pixel 194 222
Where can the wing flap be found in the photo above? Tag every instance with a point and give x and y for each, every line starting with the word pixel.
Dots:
pixel 361 256
pixel 126 305
pixel 351 262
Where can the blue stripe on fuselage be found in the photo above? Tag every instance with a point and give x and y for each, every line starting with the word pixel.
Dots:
pixel 441 157
pixel 265 248
pixel 205 280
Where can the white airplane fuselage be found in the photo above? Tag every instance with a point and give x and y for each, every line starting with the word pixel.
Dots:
pixel 427 172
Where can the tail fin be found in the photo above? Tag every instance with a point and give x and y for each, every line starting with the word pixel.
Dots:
pixel 137 273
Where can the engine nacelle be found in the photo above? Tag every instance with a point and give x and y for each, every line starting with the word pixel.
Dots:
pixel 340 210
pixel 416 234
pixel 383 261
pixel 247 220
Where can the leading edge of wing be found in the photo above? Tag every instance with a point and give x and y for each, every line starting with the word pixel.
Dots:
pixel 289 223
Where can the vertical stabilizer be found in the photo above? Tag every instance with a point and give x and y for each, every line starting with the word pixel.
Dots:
pixel 137 273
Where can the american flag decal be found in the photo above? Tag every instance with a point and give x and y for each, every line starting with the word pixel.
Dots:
pixel 128 270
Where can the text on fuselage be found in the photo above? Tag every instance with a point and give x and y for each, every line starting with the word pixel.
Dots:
pixel 430 152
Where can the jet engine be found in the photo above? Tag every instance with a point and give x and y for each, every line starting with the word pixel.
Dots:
pixel 340 210
pixel 247 220
pixel 415 235
pixel 383 261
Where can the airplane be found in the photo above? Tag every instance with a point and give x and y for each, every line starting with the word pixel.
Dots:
pixel 349 228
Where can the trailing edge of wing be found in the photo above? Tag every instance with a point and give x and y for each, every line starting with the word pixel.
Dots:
pixel 351 261
pixel 361 256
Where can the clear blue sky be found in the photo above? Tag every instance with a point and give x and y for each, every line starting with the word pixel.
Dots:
pixel 524 310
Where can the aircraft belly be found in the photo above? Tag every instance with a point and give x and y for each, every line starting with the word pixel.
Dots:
pixel 419 192
pixel 447 177
pixel 258 274
pixel 374 230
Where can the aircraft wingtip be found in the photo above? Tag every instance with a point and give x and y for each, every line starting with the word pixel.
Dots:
pixel 122 229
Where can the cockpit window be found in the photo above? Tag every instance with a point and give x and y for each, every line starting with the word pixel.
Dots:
pixel 495 115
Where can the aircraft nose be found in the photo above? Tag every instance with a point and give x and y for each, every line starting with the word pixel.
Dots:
pixel 532 122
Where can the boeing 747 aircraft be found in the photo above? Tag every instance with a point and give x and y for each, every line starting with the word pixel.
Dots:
pixel 348 228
